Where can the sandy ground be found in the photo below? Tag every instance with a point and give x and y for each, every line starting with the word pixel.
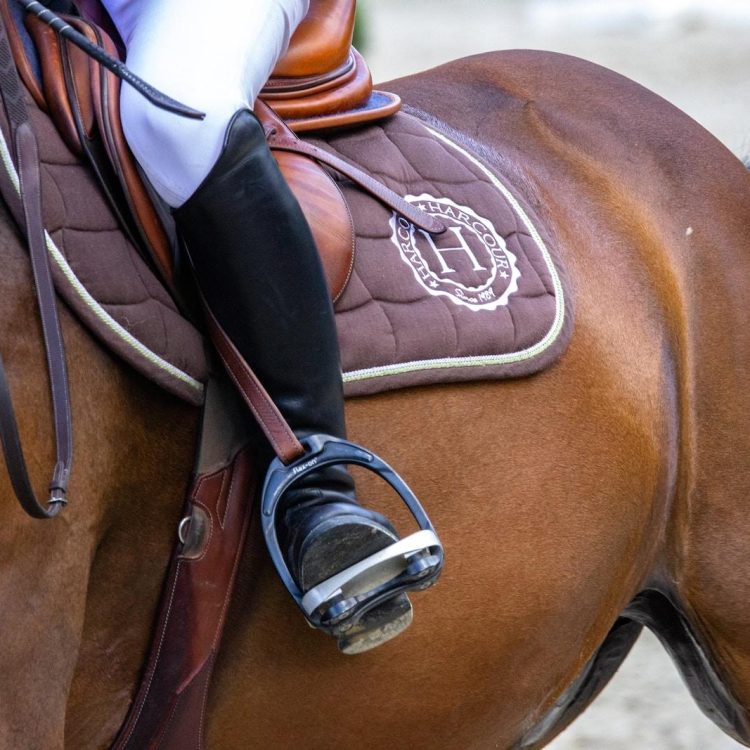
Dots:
pixel 696 53
pixel 645 707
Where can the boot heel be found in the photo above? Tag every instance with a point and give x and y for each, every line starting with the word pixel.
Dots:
pixel 377 626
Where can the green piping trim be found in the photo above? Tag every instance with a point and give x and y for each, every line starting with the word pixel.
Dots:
pixel 485 360
pixel 89 301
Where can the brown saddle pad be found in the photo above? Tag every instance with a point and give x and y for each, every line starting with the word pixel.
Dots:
pixel 101 276
pixel 487 299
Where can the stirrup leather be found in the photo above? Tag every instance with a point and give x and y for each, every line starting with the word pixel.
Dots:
pixel 338 603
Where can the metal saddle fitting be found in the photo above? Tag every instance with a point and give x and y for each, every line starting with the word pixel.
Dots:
pixel 338 603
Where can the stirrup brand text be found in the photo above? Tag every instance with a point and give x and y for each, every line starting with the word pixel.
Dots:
pixel 304 466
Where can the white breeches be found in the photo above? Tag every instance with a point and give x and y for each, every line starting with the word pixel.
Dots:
pixel 215 59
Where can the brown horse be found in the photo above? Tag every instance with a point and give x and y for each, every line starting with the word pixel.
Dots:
pixel 611 491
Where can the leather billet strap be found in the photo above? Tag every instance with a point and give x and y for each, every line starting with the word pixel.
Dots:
pixel 281 138
pixel 25 203
pixel 276 429
pixel 168 709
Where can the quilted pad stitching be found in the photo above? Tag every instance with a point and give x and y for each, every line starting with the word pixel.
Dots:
pixel 101 314
pixel 522 222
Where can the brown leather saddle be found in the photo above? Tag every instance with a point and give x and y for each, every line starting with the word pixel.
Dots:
pixel 321 83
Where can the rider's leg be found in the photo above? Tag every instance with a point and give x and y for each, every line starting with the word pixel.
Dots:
pixel 218 59
pixel 254 254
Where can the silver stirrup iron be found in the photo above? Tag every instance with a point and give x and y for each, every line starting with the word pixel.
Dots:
pixel 338 603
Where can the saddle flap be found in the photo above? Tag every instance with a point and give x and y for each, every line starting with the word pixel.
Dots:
pixel 322 203
pixel 106 106
pixel 84 102
pixel 65 84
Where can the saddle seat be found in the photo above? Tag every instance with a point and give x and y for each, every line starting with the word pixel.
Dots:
pixel 322 81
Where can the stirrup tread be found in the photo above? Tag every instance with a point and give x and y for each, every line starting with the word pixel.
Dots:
pixel 345 582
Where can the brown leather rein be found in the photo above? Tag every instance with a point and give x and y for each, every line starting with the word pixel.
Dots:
pixel 24 202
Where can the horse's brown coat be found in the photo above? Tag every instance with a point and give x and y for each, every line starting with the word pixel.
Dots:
pixel 559 497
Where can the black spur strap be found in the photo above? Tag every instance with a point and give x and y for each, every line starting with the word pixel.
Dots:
pixel 25 203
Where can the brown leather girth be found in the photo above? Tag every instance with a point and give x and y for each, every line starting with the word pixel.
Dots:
pixel 168 711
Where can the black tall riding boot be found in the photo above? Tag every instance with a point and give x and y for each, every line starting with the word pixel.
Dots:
pixel 258 268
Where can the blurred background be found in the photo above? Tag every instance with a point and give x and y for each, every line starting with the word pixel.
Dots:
pixel 696 54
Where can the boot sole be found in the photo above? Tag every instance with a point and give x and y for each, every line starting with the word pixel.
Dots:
pixel 377 626
pixel 338 544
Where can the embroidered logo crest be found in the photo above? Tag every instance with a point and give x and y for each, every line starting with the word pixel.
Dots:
pixel 469 263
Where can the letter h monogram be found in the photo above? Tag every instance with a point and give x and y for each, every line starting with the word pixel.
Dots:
pixel 463 247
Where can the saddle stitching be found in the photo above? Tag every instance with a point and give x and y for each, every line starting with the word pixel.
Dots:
pixel 222 506
pixel 204 703
pixel 352 255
